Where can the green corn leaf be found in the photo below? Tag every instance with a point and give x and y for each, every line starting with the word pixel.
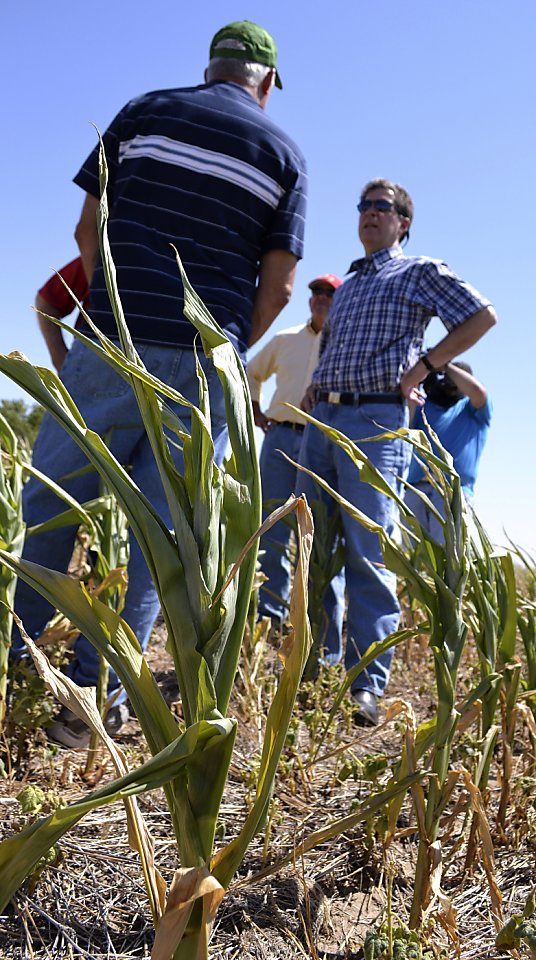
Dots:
pixel 507 644
pixel 155 540
pixel 12 466
pixel 367 809
pixel 241 515
pixel 112 637
pixel 77 513
pixel 19 854
pixel 294 657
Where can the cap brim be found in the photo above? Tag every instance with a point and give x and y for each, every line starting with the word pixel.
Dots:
pixel 278 83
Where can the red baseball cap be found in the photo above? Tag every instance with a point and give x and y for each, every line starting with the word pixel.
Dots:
pixel 328 278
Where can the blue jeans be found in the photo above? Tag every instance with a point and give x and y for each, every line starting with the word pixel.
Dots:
pixel 373 609
pixel 279 481
pixel 106 403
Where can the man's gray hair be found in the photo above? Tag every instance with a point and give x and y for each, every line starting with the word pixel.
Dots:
pixel 240 71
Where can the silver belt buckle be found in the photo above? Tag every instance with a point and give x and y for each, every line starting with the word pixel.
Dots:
pixel 334 397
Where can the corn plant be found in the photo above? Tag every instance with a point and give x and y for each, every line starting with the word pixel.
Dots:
pixel 106 530
pixel 520 928
pixel 24 421
pixel 527 628
pixel 327 560
pixel 492 599
pixel 203 569
pixel 526 620
pixel 492 613
pixel 11 539
pixel 437 574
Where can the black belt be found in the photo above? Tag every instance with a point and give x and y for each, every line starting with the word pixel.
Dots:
pixel 299 427
pixel 356 399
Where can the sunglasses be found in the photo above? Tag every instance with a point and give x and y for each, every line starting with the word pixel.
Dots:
pixel 327 291
pixel 382 206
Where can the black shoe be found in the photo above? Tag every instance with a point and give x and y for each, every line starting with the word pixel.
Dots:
pixel 115 718
pixel 365 706
pixel 70 731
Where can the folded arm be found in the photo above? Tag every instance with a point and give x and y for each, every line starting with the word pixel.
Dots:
pixel 456 342
pixel 469 385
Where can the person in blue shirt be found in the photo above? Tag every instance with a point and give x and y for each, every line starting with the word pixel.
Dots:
pixel 206 170
pixel 370 369
pixel 459 411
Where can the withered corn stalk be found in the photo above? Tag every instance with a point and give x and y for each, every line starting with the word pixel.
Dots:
pixel 437 575
pixel 492 613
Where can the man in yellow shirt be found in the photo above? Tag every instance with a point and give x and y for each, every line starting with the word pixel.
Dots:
pixel 291 356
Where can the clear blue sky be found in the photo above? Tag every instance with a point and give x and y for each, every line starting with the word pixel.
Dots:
pixel 437 96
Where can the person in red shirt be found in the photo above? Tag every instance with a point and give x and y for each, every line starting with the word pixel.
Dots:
pixel 55 300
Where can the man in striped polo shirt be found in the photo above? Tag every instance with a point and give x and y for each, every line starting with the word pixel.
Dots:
pixel 370 366
pixel 205 169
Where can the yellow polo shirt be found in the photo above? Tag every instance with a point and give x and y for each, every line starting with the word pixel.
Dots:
pixel 292 356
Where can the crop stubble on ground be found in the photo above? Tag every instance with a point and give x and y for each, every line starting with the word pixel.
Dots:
pixel 92 904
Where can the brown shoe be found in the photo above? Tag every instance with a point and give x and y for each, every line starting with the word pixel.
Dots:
pixel 365 706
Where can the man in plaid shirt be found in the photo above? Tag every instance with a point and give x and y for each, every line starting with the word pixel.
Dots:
pixel 370 365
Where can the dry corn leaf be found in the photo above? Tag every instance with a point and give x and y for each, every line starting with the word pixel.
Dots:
pixel 82 702
pixel 487 850
pixel 187 886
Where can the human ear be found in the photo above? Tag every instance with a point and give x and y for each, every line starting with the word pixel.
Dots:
pixel 404 227
pixel 268 83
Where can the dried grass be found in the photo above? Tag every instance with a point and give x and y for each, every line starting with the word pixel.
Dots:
pixel 92 904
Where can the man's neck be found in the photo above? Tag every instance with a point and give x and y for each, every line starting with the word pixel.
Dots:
pixel 253 91
pixel 370 251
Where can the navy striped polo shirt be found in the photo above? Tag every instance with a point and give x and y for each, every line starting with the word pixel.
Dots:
pixel 203 168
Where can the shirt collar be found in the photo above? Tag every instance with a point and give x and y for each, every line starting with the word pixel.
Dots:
pixel 378 259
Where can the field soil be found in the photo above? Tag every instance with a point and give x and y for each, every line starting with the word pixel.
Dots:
pixel 92 904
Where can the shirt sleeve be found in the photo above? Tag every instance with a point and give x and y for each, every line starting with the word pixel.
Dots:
pixel 483 414
pixel 288 226
pixel 88 176
pixel 57 296
pixel 449 297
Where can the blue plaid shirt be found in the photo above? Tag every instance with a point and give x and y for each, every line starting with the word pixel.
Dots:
pixel 375 329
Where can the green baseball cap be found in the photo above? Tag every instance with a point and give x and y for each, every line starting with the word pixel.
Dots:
pixel 245 40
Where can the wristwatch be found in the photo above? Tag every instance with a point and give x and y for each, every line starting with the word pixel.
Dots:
pixel 429 366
